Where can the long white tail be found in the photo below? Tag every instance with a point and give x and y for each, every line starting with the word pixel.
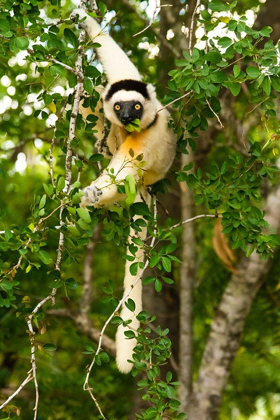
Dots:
pixel 125 346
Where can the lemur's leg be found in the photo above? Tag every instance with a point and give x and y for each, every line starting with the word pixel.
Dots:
pixel 115 62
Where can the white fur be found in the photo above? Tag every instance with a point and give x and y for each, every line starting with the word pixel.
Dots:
pixel 157 144
pixel 150 106
pixel 115 62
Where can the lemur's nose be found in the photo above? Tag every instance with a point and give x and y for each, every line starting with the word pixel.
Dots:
pixel 125 119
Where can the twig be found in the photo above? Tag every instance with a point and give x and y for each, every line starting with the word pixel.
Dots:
pixel 192 24
pixel 51 159
pixel 175 100
pixel 26 380
pixel 86 383
pixel 191 220
pixel 187 221
pixel 159 36
pixel 217 116
pixel 75 110
pixel 156 9
pixel 79 74
pixel 33 363
pixel 86 327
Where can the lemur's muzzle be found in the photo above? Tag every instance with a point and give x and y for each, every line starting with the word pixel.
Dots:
pixel 127 113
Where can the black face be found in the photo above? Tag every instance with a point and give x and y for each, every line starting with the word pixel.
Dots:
pixel 128 111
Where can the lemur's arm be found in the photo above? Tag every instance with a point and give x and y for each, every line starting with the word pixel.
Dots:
pixel 104 190
pixel 115 62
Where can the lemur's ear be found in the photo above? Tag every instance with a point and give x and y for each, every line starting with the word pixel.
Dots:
pixel 151 91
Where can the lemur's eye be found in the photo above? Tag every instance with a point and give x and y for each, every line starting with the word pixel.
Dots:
pixel 117 107
pixel 137 106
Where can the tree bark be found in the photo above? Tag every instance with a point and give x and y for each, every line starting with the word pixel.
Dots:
pixel 228 325
pixel 187 279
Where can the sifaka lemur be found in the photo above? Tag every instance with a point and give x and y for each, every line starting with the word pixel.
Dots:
pixel 126 99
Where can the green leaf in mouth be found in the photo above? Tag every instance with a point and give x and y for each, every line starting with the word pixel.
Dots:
pixel 133 126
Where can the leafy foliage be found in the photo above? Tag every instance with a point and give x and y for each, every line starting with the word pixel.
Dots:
pixel 230 184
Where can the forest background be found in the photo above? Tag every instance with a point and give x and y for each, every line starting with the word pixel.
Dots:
pixel 216 295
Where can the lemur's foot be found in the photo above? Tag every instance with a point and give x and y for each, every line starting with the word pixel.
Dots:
pixel 91 197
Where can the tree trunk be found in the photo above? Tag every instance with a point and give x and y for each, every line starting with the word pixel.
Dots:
pixel 227 327
pixel 187 278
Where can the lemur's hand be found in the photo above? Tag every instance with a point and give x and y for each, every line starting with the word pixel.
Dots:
pixel 89 24
pixel 82 14
pixel 91 197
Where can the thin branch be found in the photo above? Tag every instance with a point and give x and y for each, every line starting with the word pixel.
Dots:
pixel 160 37
pixel 192 219
pixel 175 100
pixel 217 116
pixel 33 363
pixel 86 327
pixel 51 160
pixel 192 25
pixel 121 302
pixel 200 216
pixel 26 380
pixel 78 73
pixel 155 12
pixel 75 110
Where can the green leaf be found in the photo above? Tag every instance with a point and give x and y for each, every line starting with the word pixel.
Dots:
pixel 166 264
pixel 56 70
pixel 148 280
pixel 44 257
pixel 129 334
pixel 132 184
pixel 234 87
pixel 266 31
pixel 218 6
pixel 133 268
pixel 225 41
pixel 102 7
pixel 71 37
pixel 60 183
pixel 92 72
pixel 140 208
pixel 236 70
pixel 56 284
pixel 84 215
pixel 167 280
pixel 130 304
pixel 49 347
pixel 116 320
pixel 97 157
pixel 133 126
pixel 71 284
pixel 154 260
pixel 7 285
pixel 168 377
pixel 213 57
pixel 88 86
pixel 158 285
pixel 43 201
pixel 253 72
pixel 4 26
pixel 22 43
pixel 8 234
